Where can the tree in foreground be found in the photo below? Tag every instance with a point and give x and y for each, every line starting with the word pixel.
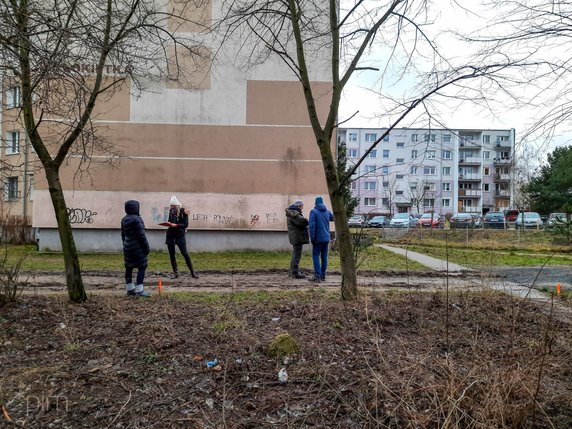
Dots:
pixel 63 58
pixel 316 34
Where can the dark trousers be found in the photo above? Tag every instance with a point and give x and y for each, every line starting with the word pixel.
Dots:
pixel 140 274
pixel 320 253
pixel 296 256
pixel 182 245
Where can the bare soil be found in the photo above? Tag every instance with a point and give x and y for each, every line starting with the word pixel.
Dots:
pixel 406 355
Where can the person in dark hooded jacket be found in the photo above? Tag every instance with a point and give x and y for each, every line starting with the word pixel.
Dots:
pixel 178 224
pixel 320 218
pixel 135 248
pixel 297 235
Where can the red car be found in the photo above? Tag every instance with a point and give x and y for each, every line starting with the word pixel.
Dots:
pixel 432 220
pixel 510 215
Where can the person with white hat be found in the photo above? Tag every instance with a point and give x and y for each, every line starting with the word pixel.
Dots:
pixel 178 223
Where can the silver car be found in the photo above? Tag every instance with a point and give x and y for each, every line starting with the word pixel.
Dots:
pixel 402 220
pixel 528 220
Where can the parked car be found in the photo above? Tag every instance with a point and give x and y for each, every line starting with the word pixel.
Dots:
pixel 402 220
pixel 378 222
pixel 432 220
pixel 510 215
pixel 528 220
pixel 555 218
pixel 462 220
pixel 495 220
pixel 356 221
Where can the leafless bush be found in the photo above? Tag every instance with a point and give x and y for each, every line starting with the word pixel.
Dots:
pixel 16 229
pixel 11 286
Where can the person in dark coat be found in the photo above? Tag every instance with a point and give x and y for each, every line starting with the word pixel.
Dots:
pixel 297 235
pixel 135 248
pixel 320 218
pixel 178 224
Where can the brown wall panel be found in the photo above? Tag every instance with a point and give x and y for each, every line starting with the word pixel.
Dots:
pixel 282 102
pixel 241 177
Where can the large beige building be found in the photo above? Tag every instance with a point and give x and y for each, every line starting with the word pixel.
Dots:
pixel 235 150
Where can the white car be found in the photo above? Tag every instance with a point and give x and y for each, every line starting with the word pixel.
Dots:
pixel 528 220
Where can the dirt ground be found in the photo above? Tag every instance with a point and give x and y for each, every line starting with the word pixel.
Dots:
pixel 406 355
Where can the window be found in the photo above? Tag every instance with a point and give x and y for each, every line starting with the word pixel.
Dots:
pixel 398 192
pixel 446 171
pixel 385 169
pixel 486 138
pixel 400 160
pixel 413 169
pixel 11 190
pixel 413 137
pixel 487 171
pixel 429 202
pixel 446 154
pixel 486 187
pixel 429 170
pixel 446 202
pixel 399 176
pixel 486 154
pixel 12 142
pixel 385 202
pixel 13 97
pixel 386 138
pixel 354 185
pixel 413 186
pixel 369 202
pixel 369 169
pixel 430 154
pixel 386 153
pixel 352 153
pixel 352 137
pixel 414 154
pixel 385 184
pixel 373 153
pixel 446 186
pixel 370 186
pixel 429 187
pixel 502 138
pixel 370 137
pixel 446 138
pixel 429 137
pixel 400 145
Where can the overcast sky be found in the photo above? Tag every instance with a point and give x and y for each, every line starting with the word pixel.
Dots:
pixel 358 96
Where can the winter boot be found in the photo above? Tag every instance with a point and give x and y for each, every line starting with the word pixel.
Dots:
pixel 141 293
pixel 131 289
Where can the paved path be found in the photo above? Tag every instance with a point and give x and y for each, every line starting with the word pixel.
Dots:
pixel 428 261
pixel 520 290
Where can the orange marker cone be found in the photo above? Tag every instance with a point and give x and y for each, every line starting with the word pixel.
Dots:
pixel 558 289
pixel 160 286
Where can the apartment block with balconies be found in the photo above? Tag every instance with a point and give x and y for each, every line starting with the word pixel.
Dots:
pixel 431 170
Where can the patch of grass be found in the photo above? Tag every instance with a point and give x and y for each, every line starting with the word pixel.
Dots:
pixel 377 259
pixel 149 358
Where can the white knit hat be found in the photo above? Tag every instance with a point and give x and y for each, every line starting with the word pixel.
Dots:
pixel 174 201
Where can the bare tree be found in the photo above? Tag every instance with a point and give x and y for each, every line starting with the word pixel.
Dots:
pixel 419 191
pixel 63 57
pixel 315 34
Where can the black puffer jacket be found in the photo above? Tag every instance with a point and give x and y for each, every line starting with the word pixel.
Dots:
pixel 135 244
pixel 181 218
pixel 297 226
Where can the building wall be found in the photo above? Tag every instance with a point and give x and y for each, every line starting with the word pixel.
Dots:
pixel 235 146
pixel 446 170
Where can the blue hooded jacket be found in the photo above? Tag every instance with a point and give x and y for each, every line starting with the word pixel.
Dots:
pixel 320 218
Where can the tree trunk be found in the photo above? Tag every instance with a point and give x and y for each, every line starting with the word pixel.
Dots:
pixel 74 282
pixel 343 237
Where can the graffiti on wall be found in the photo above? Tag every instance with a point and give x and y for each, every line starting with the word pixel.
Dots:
pixel 79 216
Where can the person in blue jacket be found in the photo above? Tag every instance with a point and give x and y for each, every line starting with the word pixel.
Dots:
pixel 178 224
pixel 320 218
pixel 135 248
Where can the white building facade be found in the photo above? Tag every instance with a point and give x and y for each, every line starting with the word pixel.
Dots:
pixel 443 171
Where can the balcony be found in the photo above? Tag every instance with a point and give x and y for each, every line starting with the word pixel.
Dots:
pixel 503 144
pixel 502 161
pixel 470 177
pixel 502 177
pixel 502 193
pixel 470 193
pixel 465 209
pixel 470 160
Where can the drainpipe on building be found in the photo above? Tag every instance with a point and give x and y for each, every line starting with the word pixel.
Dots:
pixel 25 202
